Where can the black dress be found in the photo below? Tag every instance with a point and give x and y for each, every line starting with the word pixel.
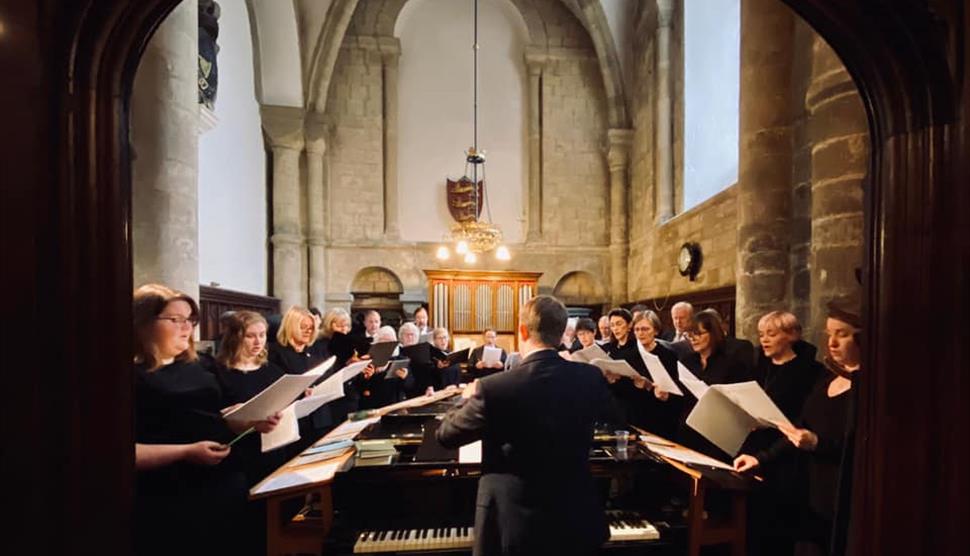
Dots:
pixel 775 506
pixel 378 391
pixel 669 412
pixel 321 421
pixel 632 403
pixel 828 418
pixel 238 387
pixel 183 507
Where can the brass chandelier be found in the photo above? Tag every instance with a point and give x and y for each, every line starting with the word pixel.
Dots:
pixel 472 235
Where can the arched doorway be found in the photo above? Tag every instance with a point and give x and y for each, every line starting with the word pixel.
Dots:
pixel 72 222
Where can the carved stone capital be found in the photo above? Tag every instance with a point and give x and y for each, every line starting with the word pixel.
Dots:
pixel 619 142
pixel 316 131
pixel 535 60
pixel 283 125
pixel 390 49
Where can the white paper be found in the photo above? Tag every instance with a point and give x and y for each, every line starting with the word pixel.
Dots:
pixel 688 456
pixel 755 401
pixel 661 378
pixel 491 356
pixel 696 386
pixel 286 432
pixel 617 367
pixel 320 369
pixel 310 404
pixel 352 370
pixel 304 476
pixel 274 398
pixel 586 355
pixel 470 453
pixel 721 421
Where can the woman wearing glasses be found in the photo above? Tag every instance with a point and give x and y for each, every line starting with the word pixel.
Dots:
pixel 187 499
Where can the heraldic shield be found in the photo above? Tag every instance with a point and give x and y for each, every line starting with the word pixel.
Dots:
pixel 462 197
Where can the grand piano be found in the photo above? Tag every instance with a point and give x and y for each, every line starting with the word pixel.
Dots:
pixel 395 490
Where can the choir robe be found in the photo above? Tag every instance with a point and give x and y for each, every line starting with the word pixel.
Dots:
pixel 184 507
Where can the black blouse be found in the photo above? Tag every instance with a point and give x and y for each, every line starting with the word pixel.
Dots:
pixel 184 506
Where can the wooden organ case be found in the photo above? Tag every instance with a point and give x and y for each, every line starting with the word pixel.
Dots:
pixel 466 302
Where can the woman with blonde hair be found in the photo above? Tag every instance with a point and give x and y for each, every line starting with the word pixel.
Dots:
pixel 186 499
pixel 297 333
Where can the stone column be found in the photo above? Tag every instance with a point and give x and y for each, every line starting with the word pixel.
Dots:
pixel 664 115
pixel 838 131
pixel 284 127
pixel 316 148
pixel 165 155
pixel 535 62
pixel 765 162
pixel 618 159
pixel 390 49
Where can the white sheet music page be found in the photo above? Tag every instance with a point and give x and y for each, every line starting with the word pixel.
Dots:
pixel 696 386
pixel 661 378
pixel 286 432
pixel 491 355
pixel 750 397
pixel 470 453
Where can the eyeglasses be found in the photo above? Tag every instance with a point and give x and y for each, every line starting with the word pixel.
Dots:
pixel 695 333
pixel 180 321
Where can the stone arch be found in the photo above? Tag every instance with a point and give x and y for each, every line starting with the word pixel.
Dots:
pixel 590 14
pixel 376 280
pixel 276 54
pixel 579 287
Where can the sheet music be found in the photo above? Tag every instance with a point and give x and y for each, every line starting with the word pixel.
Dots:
pixel 688 456
pixel 721 421
pixel 752 399
pixel 275 397
pixel 661 378
pixel 586 355
pixel 286 432
pixel 328 391
pixel 617 367
pixel 352 370
pixel 491 355
pixel 470 453
pixel 696 386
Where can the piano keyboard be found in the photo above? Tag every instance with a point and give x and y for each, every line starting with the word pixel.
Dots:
pixel 629 526
pixel 404 540
pixel 624 527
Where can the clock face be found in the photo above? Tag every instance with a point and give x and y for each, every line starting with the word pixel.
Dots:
pixel 684 260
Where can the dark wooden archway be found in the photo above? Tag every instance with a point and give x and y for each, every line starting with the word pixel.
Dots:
pixel 68 457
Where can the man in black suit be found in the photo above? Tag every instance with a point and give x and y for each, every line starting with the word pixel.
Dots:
pixel 536 494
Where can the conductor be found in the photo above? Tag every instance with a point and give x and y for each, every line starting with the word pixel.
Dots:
pixel 536 494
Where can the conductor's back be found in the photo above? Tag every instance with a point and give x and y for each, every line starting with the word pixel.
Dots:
pixel 536 494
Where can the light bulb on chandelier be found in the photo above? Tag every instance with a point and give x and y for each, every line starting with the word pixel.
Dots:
pixel 470 258
pixel 443 253
pixel 461 247
pixel 502 253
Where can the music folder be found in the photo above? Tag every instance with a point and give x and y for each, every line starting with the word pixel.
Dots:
pixel 275 397
pixel 395 365
pixel 344 346
pixel 726 413
pixel 453 358
pixel 381 352
pixel 420 353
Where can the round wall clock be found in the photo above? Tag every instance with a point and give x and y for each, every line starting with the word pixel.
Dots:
pixel 689 260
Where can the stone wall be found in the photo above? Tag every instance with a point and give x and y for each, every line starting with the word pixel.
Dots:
pixel 355 153
pixel 575 187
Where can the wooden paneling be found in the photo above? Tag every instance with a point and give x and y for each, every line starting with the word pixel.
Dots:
pixel 723 300
pixel 213 302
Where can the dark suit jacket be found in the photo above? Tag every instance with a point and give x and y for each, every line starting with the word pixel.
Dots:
pixel 536 494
